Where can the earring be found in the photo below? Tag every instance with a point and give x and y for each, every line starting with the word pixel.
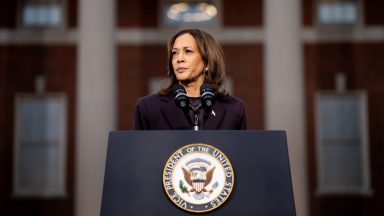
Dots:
pixel 206 70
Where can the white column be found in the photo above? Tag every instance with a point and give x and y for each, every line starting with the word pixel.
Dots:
pixel 284 87
pixel 96 109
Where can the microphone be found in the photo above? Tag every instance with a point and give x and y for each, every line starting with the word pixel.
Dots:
pixel 207 96
pixel 180 96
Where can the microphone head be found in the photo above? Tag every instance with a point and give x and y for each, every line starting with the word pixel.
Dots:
pixel 207 95
pixel 180 96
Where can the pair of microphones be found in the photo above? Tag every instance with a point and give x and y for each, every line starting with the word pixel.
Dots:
pixel 206 95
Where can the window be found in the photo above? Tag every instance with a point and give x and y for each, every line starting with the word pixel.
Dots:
pixel 42 13
pixel 337 12
pixel 190 12
pixel 342 143
pixel 40 146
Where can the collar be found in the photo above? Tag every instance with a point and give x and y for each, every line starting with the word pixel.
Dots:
pixel 177 120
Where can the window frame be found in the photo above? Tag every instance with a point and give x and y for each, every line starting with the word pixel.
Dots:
pixel 339 26
pixel 60 190
pixel 365 187
pixel 63 24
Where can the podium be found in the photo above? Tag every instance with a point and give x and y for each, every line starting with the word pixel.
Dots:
pixel 133 182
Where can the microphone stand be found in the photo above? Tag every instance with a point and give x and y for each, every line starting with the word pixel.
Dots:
pixel 196 121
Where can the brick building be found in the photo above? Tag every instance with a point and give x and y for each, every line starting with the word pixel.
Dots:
pixel 286 59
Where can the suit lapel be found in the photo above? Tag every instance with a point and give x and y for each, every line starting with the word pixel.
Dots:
pixel 174 115
pixel 216 117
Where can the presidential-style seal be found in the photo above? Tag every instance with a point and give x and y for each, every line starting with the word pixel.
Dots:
pixel 198 178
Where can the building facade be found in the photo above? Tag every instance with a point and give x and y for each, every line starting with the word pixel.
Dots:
pixel 291 62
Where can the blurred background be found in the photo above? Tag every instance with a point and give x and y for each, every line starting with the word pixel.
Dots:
pixel 72 70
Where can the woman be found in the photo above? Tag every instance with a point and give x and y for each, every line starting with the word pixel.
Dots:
pixel 194 58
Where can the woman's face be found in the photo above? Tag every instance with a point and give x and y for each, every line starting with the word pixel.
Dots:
pixel 187 62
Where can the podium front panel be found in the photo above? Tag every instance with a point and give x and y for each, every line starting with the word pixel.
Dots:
pixel 133 183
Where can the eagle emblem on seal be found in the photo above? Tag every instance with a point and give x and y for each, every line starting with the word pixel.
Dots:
pixel 198 174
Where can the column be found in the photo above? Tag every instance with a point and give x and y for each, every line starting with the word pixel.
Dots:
pixel 95 107
pixel 284 87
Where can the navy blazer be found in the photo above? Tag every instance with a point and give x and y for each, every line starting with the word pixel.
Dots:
pixel 156 112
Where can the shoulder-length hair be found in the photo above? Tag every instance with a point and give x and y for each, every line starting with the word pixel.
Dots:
pixel 212 55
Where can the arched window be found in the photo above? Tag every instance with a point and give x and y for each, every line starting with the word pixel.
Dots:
pixel 191 12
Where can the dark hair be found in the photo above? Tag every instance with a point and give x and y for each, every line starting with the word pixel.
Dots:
pixel 212 55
